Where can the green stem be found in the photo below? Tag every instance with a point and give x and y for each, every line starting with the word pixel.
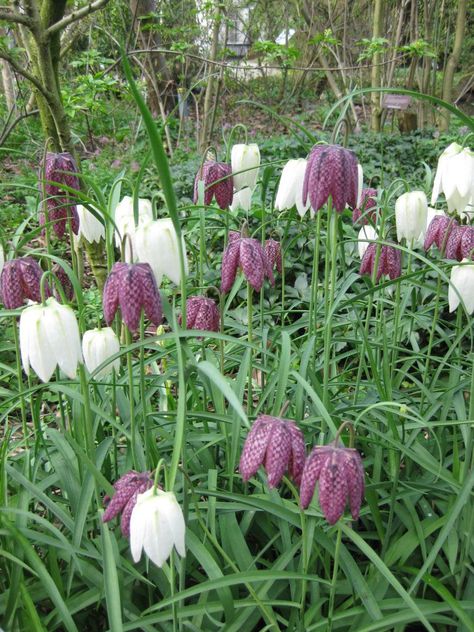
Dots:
pixel 88 428
pixel 19 375
pixel 131 398
pixel 330 286
pixel 332 594
pixel 312 319
pixel 202 246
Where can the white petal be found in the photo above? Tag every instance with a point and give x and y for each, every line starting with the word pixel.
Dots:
pixel 41 360
pixel 137 529
pixel 461 287
pixel 62 332
pixel 242 200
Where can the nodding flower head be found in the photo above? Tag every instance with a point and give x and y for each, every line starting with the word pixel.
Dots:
pixel 367 209
pixel 60 169
pixel 273 252
pixel 20 281
pixel 340 473
pixel 460 243
pixel 389 261
pixel 218 183
pixel 248 254
pixel 331 171
pixel 438 232
pixel 278 445
pixel 133 288
pixel 127 488
pixel 202 314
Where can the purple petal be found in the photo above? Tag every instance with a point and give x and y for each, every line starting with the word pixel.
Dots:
pixel 333 491
pixel 151 297
pixel 255 447
pixel 230 262
pixel 252 262
pixel 355 480
pixel 311 473
pixel 11 285
pixel 298 453
pixel 131 296
pixel 278 452
pixel 110 297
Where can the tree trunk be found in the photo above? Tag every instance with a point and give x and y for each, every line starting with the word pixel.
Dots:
pixel 206 129
pixel 453 60
pixel 376 74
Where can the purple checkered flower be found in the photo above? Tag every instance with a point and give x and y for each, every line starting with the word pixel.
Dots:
pixel 460 243
pixel 218 183
pixel 389 261
pixel 248 254
pixel 133 288
pixel 124 500
pixel 202 314
pixel 278 445
pixel 438 232
pixel 65 282
pixel 367 209
pixel 340 474
pixel 273 252
pixel 60 169
pixel 20 281
pixel 331 171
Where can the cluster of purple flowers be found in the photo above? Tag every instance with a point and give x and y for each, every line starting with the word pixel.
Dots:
pixel 278 445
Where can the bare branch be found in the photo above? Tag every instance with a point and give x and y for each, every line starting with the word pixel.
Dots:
pixel 12 16
pixel 24 73
pixel 75 16
pixel 9 128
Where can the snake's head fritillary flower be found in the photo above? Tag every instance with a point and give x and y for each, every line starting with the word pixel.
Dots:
pixel 340 474
pixel 455 177
pixel 278 445
pixel 366 234
pixel 49 337
pixel 125 222
pixel 218 183
pixel 20 281
pixel 367 208
pixel 389 261
pixel 156 526
pixel 438 232
pixel 91 229
pixel 122 503
pixel 248 254
pixel 461 286
pixel 202 314
pixel 290 188
pixel 98 345
pixel 245 161
pixel 133 288
pixel 273 252
pixel 411 211
pixel 156 243
pixel 60 169
pixel 64 281
pixel 460 243
pixel 331 171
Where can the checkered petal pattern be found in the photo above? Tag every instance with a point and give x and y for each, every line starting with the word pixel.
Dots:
pixel 202 314
pixel 340 474
pixel 20 281
pixel 124 500
pixel 331 171
pixel 278 445
pixel 218 183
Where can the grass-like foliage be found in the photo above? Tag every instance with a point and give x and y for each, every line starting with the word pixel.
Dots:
pixel 322 347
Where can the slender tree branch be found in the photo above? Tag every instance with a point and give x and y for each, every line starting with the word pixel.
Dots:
pixel 9 128
pixel 12 16
pixel 75 16
pixel 24 73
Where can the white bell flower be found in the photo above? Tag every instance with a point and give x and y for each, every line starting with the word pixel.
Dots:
pixel 157 524
pixel 242 200
pixel 90 228
pixel 461 286
pixel 411 211
pixel 245 158
pixel 290 189
pixel 156 243
pixel 125 222
pixel 366 234
pixel 97 346
pixel 49 337
pixel 455 177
